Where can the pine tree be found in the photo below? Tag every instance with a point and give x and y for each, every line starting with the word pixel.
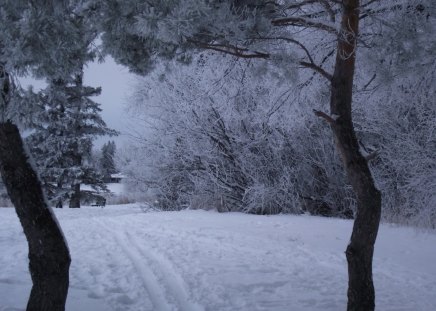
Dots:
pixel 61 144
pixel 107 161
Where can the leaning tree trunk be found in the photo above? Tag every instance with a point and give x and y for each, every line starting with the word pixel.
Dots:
pixel 49 258
pixel 361 247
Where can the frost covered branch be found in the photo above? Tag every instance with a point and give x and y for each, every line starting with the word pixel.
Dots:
pixel 321 114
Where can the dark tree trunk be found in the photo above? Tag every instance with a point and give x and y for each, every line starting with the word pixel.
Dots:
pixel 77 157
pixel 75 197
pixel 59 204
pixel 49 258
pixel 361 247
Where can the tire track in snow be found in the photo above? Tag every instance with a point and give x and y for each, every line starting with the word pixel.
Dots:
pixel 148 278
pixel 157 273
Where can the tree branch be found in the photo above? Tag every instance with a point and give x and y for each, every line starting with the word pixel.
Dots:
pixel 318 69
pixel 329 10
pixel 290 40
pixel 302 22
pixel 371 156
pixel 230 49
pixel 311 64
pixel 325 116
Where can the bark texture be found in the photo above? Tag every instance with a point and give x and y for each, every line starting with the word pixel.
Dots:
pixel 49 258
pixel 361 247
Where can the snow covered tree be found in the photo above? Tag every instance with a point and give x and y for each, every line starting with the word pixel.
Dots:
pixel 218 137
pixel 306 34
pixel 40 39
pixel 26 44
pixel 61 144
pixel 107 160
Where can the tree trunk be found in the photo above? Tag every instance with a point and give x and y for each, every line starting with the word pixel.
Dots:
pixel 361 247
pixel 75 198
pixel 49 258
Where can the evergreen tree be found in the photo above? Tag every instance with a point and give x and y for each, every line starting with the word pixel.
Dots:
pixel 38 39
pixel 107 161
pixel 62 142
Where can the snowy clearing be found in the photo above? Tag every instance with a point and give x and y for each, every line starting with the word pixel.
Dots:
pixel 125 259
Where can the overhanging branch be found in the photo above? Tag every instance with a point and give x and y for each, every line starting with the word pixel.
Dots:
pixel 230 49
pixel 318 69
pixel 302 22
pixel 311 64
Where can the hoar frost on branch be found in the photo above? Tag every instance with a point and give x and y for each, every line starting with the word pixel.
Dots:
pixel 226 141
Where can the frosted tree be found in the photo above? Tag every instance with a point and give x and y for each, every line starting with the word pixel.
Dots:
pixel 38 39
pixel 395 111
pixel 107 159
pixel 61 144
pixel 323 36
pixel 397 119
pixel 219 137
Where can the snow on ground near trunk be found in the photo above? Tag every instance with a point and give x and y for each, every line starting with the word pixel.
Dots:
pixel 125 259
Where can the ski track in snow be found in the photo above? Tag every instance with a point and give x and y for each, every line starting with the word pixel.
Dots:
pixel 157 273
pixel 149 279
pixel 172 280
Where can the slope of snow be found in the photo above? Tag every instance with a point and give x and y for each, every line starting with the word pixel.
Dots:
pixel 125 259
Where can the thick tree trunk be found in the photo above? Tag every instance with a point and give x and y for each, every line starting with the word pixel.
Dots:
pixel 75 197
pixel 49 258
pixel 361 248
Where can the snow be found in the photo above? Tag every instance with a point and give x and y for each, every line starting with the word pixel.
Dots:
pixel 116 188
pixel 126 259
pixel 118 175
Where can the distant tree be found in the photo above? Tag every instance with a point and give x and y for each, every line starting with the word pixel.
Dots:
pixel 62 140
pixel 107 160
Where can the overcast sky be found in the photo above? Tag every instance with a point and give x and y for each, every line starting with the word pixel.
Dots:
pixel 116 83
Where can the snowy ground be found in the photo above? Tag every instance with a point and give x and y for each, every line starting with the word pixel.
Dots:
pixel 125 259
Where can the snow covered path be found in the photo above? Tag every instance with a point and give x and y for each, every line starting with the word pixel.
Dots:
pixel 124 259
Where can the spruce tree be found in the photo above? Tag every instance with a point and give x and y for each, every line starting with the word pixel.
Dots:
pixel 62 141
pixel 107 161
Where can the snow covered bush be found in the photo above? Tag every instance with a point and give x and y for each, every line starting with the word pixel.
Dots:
pixel 399 121
pixel 210 143
pixel 230 142
pixel 214 134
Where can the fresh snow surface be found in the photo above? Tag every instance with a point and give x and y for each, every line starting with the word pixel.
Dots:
pixel 125 259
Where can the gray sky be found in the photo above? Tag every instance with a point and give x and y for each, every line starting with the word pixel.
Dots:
pixel 116 82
